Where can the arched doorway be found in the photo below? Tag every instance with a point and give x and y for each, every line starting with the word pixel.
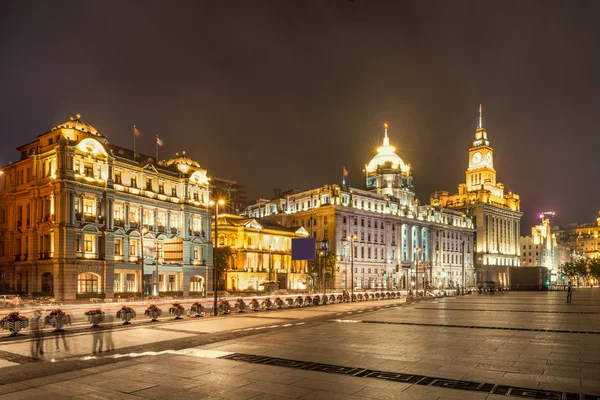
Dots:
pixel 233 284
pixel 47 283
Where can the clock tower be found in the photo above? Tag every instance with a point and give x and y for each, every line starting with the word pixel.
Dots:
pixel 481 160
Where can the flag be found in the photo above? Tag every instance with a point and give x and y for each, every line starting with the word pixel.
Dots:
pixel 136 132
pixel 158 141
pixel 345 172
pixel 344 175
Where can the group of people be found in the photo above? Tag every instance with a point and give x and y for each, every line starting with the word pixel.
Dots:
pixel 101 336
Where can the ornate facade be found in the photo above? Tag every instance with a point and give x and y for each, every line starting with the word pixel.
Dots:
pixel 399 244
pixel 81 217
pixel 262 254
pixel 496 214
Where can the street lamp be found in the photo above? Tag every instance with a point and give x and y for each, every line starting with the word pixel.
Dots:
pixel 216 245
pixel 142 233
pixel 322 254
pixel 418 250
pixel 352 238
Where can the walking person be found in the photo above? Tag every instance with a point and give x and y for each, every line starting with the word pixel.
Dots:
pixel 569 292
pixel 37 344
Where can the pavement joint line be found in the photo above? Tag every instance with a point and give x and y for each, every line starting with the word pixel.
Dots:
pixel 516 311
pixel 422 380
pixel 470 326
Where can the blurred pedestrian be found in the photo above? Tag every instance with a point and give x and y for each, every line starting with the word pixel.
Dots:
pixel 110 346
pixel 98 340
pixel 37 344
pixel 61 334
pixel 569 293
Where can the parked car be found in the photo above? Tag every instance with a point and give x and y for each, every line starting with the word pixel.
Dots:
pixel 7 300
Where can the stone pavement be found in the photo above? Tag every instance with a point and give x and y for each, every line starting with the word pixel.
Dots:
pixel 509 345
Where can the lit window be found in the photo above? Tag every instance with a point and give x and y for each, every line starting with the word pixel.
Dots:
pixel 88 207
pixel 88 243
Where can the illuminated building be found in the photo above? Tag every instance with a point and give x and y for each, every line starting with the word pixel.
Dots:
pixel 262 253
pixel 399 244
pixel 541 248
pixel 496 214
pixel 581 239
pixel 79 214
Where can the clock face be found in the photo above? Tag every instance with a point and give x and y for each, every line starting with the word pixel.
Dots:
pixel 488 157
pixel 476 159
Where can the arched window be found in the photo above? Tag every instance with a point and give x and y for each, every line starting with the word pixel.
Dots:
pixel 88 283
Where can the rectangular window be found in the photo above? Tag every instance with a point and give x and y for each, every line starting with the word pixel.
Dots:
pixel 174 191
pixel 161 188
pixel 118 178
pixel 134 182
pixel 133 245
pixel 88 170
pixel 88 207
pixel 118 247
pixel 88 243
pixel 149 184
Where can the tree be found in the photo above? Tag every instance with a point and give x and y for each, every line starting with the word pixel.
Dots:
pixel 594 268
pixel 315 269
pixel 222 259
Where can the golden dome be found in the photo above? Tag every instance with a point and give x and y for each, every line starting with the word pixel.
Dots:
pixel 182 162
pixel 77 124
pixel 386 154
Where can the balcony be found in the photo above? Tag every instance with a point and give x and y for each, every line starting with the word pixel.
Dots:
pixel 134 225
pixel 89 218
pixel 44 255
pixel 119 222
pixel 118 257
pixel 89 255
pixel 174 231
pixel 17 257
pixel 161 229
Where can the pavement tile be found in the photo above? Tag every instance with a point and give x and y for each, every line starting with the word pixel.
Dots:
pixel 168 392
pixel 226 392
pixel 125 385
pixel 444 392
pixel 32 394
pixel 278 389
pixel 55 378
pixel 13 387
pixel 317 384
pixel 271 377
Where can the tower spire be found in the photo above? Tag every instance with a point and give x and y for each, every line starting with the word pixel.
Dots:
pixel 386 140
pixel 480 126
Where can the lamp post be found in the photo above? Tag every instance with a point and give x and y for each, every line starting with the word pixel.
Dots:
pixel 418 250
pixel 142 233
pixel 463 267
pixel 215 247
pixel 156 271
pixel 352 239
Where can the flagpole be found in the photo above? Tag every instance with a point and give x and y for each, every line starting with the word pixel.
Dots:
pixel 156 151
pixel 134 135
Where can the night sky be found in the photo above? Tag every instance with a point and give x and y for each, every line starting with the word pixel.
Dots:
pixel 282 94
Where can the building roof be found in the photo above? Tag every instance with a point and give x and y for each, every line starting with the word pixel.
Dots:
pixel 77 124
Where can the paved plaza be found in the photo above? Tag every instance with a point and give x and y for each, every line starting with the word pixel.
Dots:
pixel 507 345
